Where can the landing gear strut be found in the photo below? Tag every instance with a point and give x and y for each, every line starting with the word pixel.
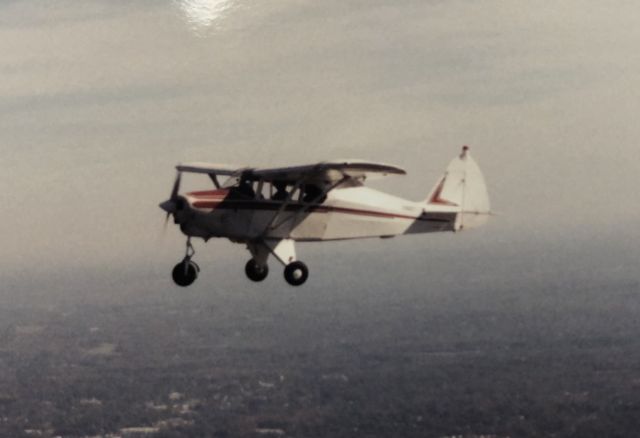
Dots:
pixel 186 272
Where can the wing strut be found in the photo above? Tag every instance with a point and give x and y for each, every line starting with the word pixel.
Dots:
pixel 214 178
pixel 272 225
pixel 284 205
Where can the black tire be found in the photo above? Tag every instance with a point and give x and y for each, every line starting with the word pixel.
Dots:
pixel 185 273
pixel 296 273
pixel 256 272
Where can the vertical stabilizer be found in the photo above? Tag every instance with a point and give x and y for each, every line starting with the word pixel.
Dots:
pixel 462 189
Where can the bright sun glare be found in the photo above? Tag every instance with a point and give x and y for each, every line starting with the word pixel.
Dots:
pixel 202 14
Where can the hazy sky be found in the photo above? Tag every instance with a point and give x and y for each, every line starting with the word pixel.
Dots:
pixel 100 99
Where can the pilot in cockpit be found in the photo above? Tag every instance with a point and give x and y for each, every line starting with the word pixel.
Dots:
pixel 313 193
pixel 243 190
pixel 281 191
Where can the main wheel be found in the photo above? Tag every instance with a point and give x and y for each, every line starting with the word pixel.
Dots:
pixel 255 272
pixel 185 273
pixel 296 273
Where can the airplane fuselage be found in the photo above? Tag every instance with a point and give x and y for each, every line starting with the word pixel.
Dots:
pixel 346 213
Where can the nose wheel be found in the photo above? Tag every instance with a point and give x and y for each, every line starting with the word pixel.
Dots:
pixel 186 272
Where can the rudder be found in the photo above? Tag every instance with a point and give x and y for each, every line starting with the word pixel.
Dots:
pixel 463 190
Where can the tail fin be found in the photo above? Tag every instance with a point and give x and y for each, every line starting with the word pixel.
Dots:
pixel 462 190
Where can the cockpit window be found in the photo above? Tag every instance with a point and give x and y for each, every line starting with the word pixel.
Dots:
pixel 232 181
pixel 247 188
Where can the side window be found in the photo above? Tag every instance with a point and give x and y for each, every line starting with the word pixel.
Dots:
pixel 263 189
pixel 232 181
pixel 281 190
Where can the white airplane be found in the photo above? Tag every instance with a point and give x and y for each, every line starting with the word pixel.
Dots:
pixel 271 209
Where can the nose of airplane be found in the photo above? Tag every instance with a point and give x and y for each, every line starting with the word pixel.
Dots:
pixel 169 206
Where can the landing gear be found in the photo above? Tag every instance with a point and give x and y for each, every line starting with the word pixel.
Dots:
pixel 186 272
pixel 255 271
pixel 296 273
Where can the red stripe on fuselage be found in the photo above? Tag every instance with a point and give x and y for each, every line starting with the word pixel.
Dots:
pixel 220 193
pixel 275 206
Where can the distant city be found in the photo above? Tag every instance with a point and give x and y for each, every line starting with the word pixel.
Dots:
pixel 525 360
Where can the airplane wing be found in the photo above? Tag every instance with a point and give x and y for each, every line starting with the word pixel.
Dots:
pixel 210 168
pixel 328 171
pixel 325 173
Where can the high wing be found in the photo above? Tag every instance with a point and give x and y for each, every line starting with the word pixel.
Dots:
pixel 325 172
pixel 211 168
pixel 328 171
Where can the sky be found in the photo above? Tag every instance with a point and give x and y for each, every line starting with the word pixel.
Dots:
pixel 100 99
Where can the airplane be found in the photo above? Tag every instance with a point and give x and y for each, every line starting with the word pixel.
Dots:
pixel 270 209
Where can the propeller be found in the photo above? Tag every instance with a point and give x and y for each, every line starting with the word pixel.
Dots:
pixel 166 221
pixel 171 204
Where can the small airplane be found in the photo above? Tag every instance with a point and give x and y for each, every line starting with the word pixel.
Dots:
pixel 270 209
